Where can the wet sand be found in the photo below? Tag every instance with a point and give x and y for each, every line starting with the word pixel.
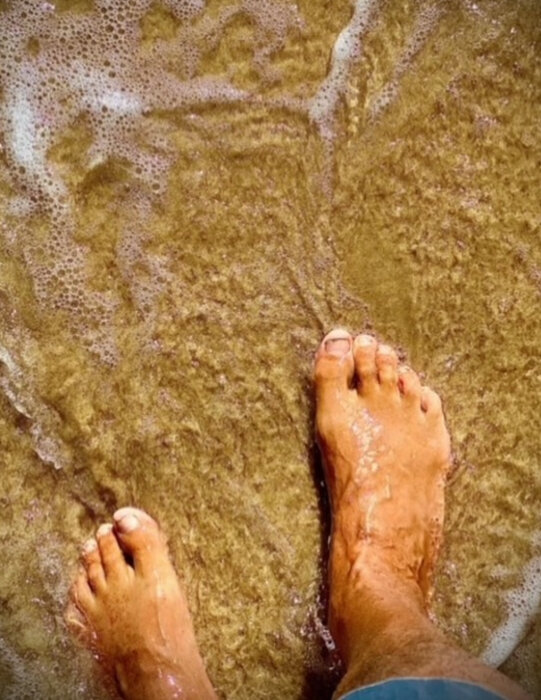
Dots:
pixel 171 367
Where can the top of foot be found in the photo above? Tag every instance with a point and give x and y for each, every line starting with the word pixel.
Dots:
pixel 127 604
pixel 386 451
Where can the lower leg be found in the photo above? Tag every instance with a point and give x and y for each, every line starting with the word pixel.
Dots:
pixel 383 632
pixel 386 452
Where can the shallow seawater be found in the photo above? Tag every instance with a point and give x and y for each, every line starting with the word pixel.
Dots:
pixel 191 193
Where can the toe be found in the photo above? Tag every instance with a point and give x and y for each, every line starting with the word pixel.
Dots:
pixel 80 607
pixel 333 374
pixel 334 361
pixel 112 557
pixel 364 353
pixel 409 384
pixel 81 594
pixel 94 568
pixel 387 366
pixel 333 371
pixel 430 401
pixel 140 538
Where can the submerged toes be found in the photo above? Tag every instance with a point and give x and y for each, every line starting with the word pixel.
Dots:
pixel 102 559
pixel 342 361
pixel 375 364
pixel 81 604
pixel 411 389
pixel 93 566
pixel 111 555
pixel 141 539
pixel 409 383
pixel 430 401
pixel 81 593
pixel 364 353
pixel 368 364
pixel 387 365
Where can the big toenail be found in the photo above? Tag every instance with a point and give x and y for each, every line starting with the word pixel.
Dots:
pixel 404 369
pixel 365 340
pixel 338 346
pixel 104 529
pixel 89 546
pixel 128 523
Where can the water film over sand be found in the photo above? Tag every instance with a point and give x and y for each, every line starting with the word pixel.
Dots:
pixel 191 193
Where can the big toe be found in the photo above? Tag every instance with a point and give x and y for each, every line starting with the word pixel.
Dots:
pixel 142 540
pixel 334 362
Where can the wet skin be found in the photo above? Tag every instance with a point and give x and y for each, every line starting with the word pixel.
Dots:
pixel 386 452
pixel 135 617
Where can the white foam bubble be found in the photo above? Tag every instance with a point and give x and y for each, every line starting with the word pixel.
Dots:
pixel 522 605
pixel 346 51
pixel 424 24
pixel 90 66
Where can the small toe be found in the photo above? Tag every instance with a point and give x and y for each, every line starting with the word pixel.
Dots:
pixel 387 366
pixel 94 568
pixel 430 401
pixel 80 607
pixel 113 561
pixel 81 594
pixel 364 353
pixel 141 538
pixel 409 384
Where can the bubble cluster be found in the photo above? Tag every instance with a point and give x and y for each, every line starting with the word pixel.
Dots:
pixel 88 64
pixel 424 24
pixel 109 68
pixel 522 606
pixel 58 69
pixel 346 51
pixel 19 672
pixel 145 274
pixel 272 21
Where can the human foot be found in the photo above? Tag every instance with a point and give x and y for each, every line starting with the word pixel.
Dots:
pixel 386 452
pixel 127 604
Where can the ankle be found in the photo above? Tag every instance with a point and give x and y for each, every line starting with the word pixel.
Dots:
pixel 371 602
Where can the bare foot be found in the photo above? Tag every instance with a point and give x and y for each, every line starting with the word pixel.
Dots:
pixel 386 451
pixel 128 605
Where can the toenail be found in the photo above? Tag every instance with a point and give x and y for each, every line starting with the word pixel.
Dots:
pixel 337 346
pixel 89 546
pixel 104 529
pixel 365 340
pixel 385 350
pixel 128 523
pixel 404 369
